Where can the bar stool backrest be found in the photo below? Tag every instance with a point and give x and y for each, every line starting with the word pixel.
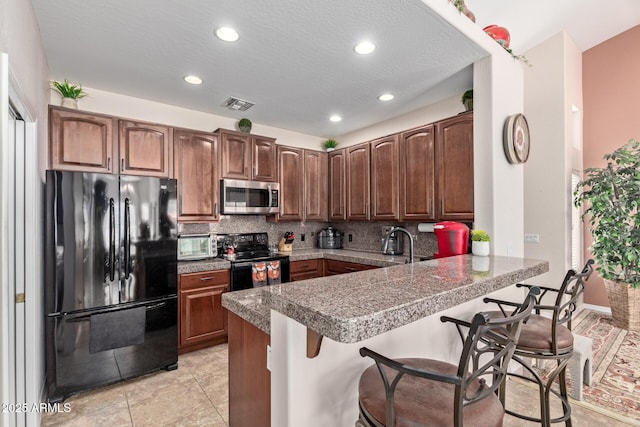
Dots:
pixel 486 353
pixel 568 295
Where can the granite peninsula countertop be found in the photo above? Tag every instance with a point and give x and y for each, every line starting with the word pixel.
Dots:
pixel 356 306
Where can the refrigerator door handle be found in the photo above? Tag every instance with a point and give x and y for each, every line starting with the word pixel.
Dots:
pixel 112 239
pixel 127 238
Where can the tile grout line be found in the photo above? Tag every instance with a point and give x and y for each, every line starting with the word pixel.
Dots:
pixel 211 401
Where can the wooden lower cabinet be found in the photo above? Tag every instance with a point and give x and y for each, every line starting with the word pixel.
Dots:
pixel 333 267
pixel 202 319
pixel 249 378
pixel 303 270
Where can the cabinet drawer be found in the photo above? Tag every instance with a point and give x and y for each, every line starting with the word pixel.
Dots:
pixel 203 279
pixel 304 266
pixel 340 267
pixel 304 275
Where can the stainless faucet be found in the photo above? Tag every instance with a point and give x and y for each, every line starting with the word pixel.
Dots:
pixel 395 230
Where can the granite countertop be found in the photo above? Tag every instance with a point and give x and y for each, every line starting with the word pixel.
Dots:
pixel 356 306
pixel 203 265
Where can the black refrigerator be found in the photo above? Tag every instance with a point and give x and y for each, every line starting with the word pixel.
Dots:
pixel 111 279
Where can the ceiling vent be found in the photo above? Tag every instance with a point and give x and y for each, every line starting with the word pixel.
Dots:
pixel 237 104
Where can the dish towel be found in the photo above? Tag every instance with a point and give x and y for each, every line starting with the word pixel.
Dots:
pixel 273 272
pixel 259 274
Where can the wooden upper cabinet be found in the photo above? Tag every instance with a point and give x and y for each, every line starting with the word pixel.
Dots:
pixel 454 165
pixel 195 157
pixel 337 185
pixel 264 159
pixel 246 156
pixel 417 177
pixel 236 155
pixel 357 172
pixel 384 178
pixel 290 167
pixel 315 185
pixel 80 141
pixel 145 149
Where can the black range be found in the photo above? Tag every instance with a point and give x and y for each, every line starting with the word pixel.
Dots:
pixel 244 251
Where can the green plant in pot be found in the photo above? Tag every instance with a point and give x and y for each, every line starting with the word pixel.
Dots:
pixel 329 145
pixel 467 100
pixel 244 125
pixel 610 196
pixel 480 242
pixel 70 92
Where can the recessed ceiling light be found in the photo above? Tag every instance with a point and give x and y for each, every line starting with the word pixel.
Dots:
pixel 227 34
pixel 385 97
pixel 365 48
pixel 335 118
pixel 194 80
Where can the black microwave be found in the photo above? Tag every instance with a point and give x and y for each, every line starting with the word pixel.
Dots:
pixel 249 197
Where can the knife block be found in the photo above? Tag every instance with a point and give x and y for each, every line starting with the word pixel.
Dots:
pixel 284 247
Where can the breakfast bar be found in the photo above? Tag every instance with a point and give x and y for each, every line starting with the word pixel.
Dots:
pixel 314 329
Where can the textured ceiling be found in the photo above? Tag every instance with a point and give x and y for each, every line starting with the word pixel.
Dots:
pixel 295 58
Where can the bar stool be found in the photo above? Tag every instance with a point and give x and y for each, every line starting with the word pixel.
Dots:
pixel 424 392
pixel 545 338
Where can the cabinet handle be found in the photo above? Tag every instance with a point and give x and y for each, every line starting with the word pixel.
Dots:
pixel 254 171
pixel 430 206
pixel 215 209
pixel 206 278
pixel 351 269
pixel 108 163
pixel 122 165
pixel 246 171
pixel 441 207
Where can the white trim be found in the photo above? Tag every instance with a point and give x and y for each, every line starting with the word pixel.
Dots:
pixel 598 308
pixel 5 277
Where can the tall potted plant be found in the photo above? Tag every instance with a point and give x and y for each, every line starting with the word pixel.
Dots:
pixel 611 196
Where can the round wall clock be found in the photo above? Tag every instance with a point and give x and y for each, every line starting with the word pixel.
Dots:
pixel 515 138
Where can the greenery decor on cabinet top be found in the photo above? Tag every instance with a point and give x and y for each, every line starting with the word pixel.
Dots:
pixel 610 196
pixel 68 90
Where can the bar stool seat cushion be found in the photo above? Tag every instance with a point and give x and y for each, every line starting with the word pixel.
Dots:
pixel 423 402
pixel 536 334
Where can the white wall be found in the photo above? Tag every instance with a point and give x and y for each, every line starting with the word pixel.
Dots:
pixel 432 113
pixel 552 85
pixel 100 101
pixel 28 74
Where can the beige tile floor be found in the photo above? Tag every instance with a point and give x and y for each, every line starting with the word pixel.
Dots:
pixel 196 395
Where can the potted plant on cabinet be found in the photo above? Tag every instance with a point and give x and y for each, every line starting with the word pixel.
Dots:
pixel 70 92
pixel 467 100
pixel 611 195
pixel 329 145
pixel 244 125
pixel 480 242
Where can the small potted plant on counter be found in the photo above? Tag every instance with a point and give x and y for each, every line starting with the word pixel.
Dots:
pixel 245 125
pixel 480 242
pixel 329 145
pixel 70 92
pixel 610 195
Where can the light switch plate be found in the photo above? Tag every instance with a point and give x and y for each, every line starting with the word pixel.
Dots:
pixel 532 238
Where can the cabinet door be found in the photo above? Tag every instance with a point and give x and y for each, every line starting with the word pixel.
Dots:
pixel 203 320
pixel 384 178
pixel 80 141
pixel 236 155
pixel 454 161
pixel 264 159
pixel 315 185
pixel 203 316
pixel 195 168
pixel 303 270
pixel 417 177
pixel 333 267
pixel 358 182
pixel 337 185
pixel 290 161
pixel 144 149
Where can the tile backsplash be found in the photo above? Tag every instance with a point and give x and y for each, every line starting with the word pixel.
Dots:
pixel 365 235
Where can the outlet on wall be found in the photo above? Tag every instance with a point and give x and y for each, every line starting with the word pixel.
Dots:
pixel 302 237
pixel 532 238
pixel 350 237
